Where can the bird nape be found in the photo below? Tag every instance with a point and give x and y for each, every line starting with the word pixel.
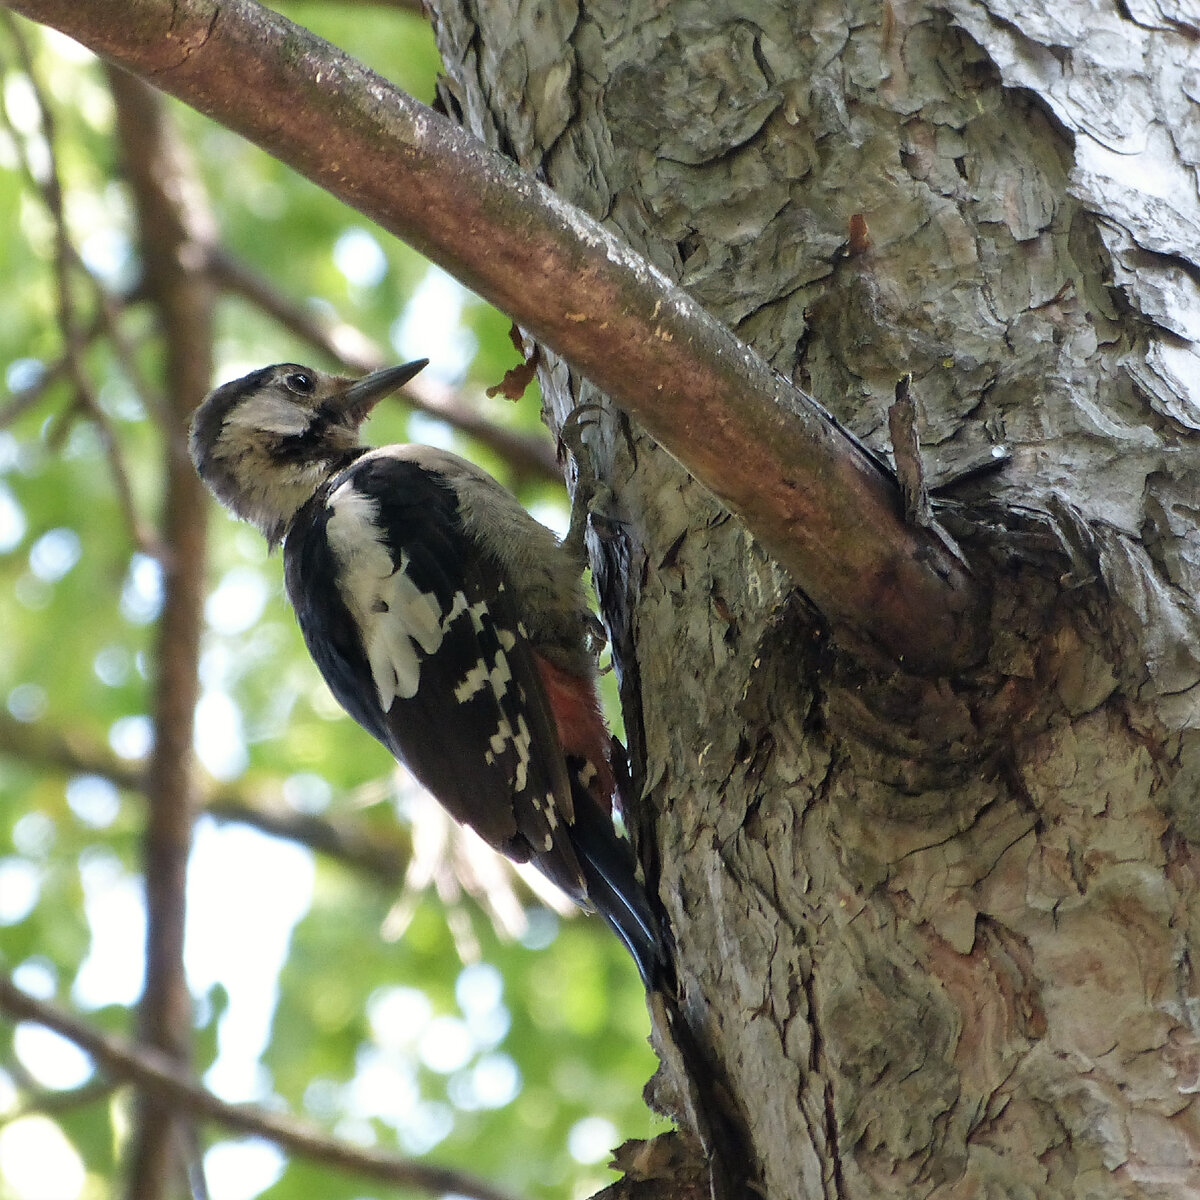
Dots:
pixel 448 623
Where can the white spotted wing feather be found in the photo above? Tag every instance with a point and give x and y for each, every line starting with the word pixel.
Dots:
pixel 399 623
pixel 455 690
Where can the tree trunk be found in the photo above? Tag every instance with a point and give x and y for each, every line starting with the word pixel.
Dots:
pixel 935 935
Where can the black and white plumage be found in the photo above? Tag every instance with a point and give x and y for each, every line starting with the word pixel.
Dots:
pixel 448 622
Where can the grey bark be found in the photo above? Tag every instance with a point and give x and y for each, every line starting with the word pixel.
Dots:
pixel 937 936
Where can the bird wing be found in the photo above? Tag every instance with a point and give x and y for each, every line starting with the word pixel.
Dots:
pixel 415 632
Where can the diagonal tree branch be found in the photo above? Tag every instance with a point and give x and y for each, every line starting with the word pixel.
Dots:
pixel 159 1075
pixel 805 489
pixel 382 857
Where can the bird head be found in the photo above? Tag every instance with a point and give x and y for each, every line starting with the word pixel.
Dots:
pixel 264 443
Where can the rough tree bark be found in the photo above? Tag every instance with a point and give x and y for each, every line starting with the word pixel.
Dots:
pixel 937 935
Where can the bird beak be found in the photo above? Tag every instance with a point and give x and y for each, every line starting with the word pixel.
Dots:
pixel 357 401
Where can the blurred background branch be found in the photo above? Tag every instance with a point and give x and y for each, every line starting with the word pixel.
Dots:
pixel 174 225
pixel 193 844
pixel 157 1075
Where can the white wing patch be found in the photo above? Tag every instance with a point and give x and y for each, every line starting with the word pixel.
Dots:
pixel 522 744
pixel 400 624
pixel 499 675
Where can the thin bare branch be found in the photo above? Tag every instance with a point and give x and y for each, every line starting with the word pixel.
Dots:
pixel 383 857
pixel 69 272
pixel 340 340
pixel 412 6
pixel 38 1100
pixel 49 185
pixel 810 494
pixel 27 398
pixel 528 456
pixel 46 748
pixel 78 336
pixel 159 1075
pixel 88 404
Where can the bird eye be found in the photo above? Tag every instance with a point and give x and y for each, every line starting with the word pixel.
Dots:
pixel 300 382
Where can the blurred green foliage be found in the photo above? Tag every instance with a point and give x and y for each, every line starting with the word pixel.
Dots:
pixel 518 1066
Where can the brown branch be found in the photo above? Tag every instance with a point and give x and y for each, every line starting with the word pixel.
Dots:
pixel 528 456
pixel 55 1103
pixel 467 867
pixel 807 490
pixel 72 753
pixel 340 340
pixel 88 404
pixel 412 6
pixel 173 230
pixel 159 1075
pixel 48 185
pixel 68 271
pixel 385 858
pixel 27 398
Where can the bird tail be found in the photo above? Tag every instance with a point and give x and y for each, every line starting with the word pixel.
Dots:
pixel 609 870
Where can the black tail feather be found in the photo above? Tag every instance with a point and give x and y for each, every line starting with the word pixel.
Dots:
pixel 608 866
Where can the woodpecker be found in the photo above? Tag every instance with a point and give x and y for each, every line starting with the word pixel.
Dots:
pixel 448 623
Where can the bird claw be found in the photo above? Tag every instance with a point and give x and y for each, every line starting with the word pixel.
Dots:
pixel 591 494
